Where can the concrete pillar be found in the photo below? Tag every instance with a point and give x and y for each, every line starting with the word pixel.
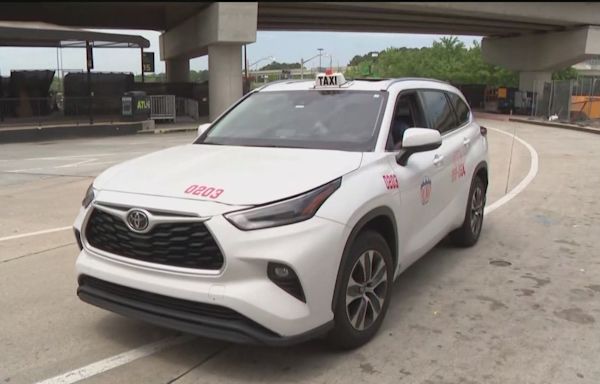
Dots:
pixel 534 81
pixel 178 70
pixel 224 77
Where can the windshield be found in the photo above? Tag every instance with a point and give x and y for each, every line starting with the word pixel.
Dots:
pixel 342 120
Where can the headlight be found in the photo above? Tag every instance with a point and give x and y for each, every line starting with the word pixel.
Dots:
pixel 89 196
pixel 289 211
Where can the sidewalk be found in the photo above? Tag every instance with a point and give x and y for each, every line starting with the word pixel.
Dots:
pixel 574 127
pixel 536 121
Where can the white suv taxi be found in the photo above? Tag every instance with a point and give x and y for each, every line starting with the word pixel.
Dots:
pixel 290 216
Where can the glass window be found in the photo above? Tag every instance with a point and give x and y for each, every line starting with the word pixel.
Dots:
pixel 341 120
pixel 461 109
pixel 439 113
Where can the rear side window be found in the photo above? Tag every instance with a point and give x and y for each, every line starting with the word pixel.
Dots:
pixel 460 107
pixel 439 113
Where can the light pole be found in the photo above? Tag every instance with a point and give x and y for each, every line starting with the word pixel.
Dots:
pixel 330 60
pixel 263 59
pixel 320 54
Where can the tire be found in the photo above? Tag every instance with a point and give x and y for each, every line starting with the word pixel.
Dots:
pixel 349 330
pixel 468 234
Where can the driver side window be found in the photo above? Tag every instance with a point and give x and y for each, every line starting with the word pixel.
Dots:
pixel 407 114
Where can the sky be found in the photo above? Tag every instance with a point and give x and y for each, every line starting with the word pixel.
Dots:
pixel 283 46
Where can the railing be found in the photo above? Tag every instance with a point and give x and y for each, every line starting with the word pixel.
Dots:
pixel 49 111
pixel 187 107
pixel 163 107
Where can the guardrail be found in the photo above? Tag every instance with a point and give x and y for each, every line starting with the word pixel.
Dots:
pixel 187 107
pixel 163 107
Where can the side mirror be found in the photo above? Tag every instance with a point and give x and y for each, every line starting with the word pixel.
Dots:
pixel 202 128
pixel 418 140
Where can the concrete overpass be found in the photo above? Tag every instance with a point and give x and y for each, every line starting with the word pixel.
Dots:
pixel 533 38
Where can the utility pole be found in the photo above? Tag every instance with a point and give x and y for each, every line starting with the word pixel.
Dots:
pixel 142 54
pixel 320 55
pixel 89 65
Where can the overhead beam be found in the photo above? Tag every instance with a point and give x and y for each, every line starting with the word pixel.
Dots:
pixel 543 52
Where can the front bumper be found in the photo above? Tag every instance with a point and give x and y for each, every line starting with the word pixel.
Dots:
pixel 191 317
pixel 312 248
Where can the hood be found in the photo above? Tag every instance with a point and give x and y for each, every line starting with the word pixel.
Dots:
pixel 245 175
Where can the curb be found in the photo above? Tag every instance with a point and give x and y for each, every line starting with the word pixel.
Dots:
pixel 165 130
pixel 556 125
pixel 20 135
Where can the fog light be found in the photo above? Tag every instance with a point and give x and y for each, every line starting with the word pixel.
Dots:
pixel 285 278
pixel 282 272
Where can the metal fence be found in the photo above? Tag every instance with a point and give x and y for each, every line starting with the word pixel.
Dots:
pixel 570 101
pixel 58 110
pixel 162 107
pixel 45 111
pixel 187 107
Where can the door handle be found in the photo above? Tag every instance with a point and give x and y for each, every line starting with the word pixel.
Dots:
pixel 438 160
pixel 466 141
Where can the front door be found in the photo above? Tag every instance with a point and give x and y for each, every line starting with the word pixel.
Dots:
pixel 420 190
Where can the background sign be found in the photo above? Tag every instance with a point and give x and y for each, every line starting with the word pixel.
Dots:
pixel 148 61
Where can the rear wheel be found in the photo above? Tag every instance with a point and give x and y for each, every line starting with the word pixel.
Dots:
pixel 468 234
pixel 364 292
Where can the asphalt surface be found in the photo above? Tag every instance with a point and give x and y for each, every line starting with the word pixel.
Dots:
pixel 522 306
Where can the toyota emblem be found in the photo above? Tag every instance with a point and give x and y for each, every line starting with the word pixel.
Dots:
pixel 137 220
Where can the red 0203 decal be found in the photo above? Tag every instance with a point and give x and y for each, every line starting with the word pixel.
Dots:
pixel 391 182
pixel 204 191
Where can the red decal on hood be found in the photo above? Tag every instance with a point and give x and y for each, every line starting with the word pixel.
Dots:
pixel 204 191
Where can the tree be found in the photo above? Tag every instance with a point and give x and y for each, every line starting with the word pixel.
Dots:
pixel 565 74
pixel 447 59
pixel 276 65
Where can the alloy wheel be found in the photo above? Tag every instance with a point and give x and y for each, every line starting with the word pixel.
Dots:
pixel 366 291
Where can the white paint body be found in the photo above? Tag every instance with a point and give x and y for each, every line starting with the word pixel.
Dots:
pixel 313 248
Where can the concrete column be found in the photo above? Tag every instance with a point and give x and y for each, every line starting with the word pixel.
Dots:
pixel 178 70
pixel 224 77
pixel 534 81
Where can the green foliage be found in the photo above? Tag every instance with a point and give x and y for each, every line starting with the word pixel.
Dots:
pixel 565 74
pixel 447 59
pixel 276 65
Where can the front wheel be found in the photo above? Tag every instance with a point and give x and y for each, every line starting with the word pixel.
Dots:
pixel 364 292
pixel 468 234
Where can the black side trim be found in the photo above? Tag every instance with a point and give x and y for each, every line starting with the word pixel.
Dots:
pixel 379 211
pixel 404 154
pixel 232 330
pixel 480 166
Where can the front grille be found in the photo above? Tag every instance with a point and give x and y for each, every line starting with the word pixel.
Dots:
pixel 160 301
pixel 186 245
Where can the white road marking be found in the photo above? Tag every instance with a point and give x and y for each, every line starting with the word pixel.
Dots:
pixel 43 232
pixel 533 170
pixel 118 360
pixel 75 164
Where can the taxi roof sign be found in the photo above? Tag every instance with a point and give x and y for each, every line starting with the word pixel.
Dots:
pixel 329 80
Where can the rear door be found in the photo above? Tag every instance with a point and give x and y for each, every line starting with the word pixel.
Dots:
pixel 467 133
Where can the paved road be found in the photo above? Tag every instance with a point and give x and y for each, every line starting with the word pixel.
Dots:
pixel 458 316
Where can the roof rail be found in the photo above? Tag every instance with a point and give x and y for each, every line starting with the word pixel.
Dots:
pixel 394 81
pixel 287 81
pixel 372 78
